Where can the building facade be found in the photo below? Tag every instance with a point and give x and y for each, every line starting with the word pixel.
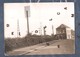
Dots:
pixel 63 32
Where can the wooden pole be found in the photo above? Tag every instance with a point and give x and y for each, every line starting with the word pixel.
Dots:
pixel 27 23
pixel 52 30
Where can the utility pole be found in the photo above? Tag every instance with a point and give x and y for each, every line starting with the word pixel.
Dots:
pixel 27 10
pixel 52 27
pixel 44 30
pixel 27 23
pixel 52 30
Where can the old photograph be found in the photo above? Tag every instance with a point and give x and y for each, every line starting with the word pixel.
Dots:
pixel 39 28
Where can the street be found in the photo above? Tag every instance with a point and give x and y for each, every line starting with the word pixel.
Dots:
pixel 54 47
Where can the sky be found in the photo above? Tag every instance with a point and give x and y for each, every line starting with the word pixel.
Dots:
pixel 40 14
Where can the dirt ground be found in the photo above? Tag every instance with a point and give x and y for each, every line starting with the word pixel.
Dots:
pixel 54 47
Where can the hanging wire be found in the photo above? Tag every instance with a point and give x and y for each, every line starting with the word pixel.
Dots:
pixel 35 1
pixel 52 0
pixel 30 1
pixel 60 0
pixel 38 1
pixel 65 0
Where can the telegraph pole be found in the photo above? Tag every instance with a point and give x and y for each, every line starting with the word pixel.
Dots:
pixel 27 23
pixel 44 30
pixel 27 10
pixel 52 30
pixel 52 27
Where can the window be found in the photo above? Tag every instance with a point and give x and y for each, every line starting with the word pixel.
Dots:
pixel 63 31
pixel 12 33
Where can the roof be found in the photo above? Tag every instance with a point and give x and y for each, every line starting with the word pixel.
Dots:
pixel 63 26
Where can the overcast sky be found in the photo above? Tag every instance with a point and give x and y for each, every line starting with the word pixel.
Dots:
pixel 40 13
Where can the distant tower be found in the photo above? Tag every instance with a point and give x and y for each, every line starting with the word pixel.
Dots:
pixel 40 28
pixel 18 29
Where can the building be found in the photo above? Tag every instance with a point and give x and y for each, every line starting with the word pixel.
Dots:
pixel 64 32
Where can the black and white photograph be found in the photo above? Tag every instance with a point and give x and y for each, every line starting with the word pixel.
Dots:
pixel 39 28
